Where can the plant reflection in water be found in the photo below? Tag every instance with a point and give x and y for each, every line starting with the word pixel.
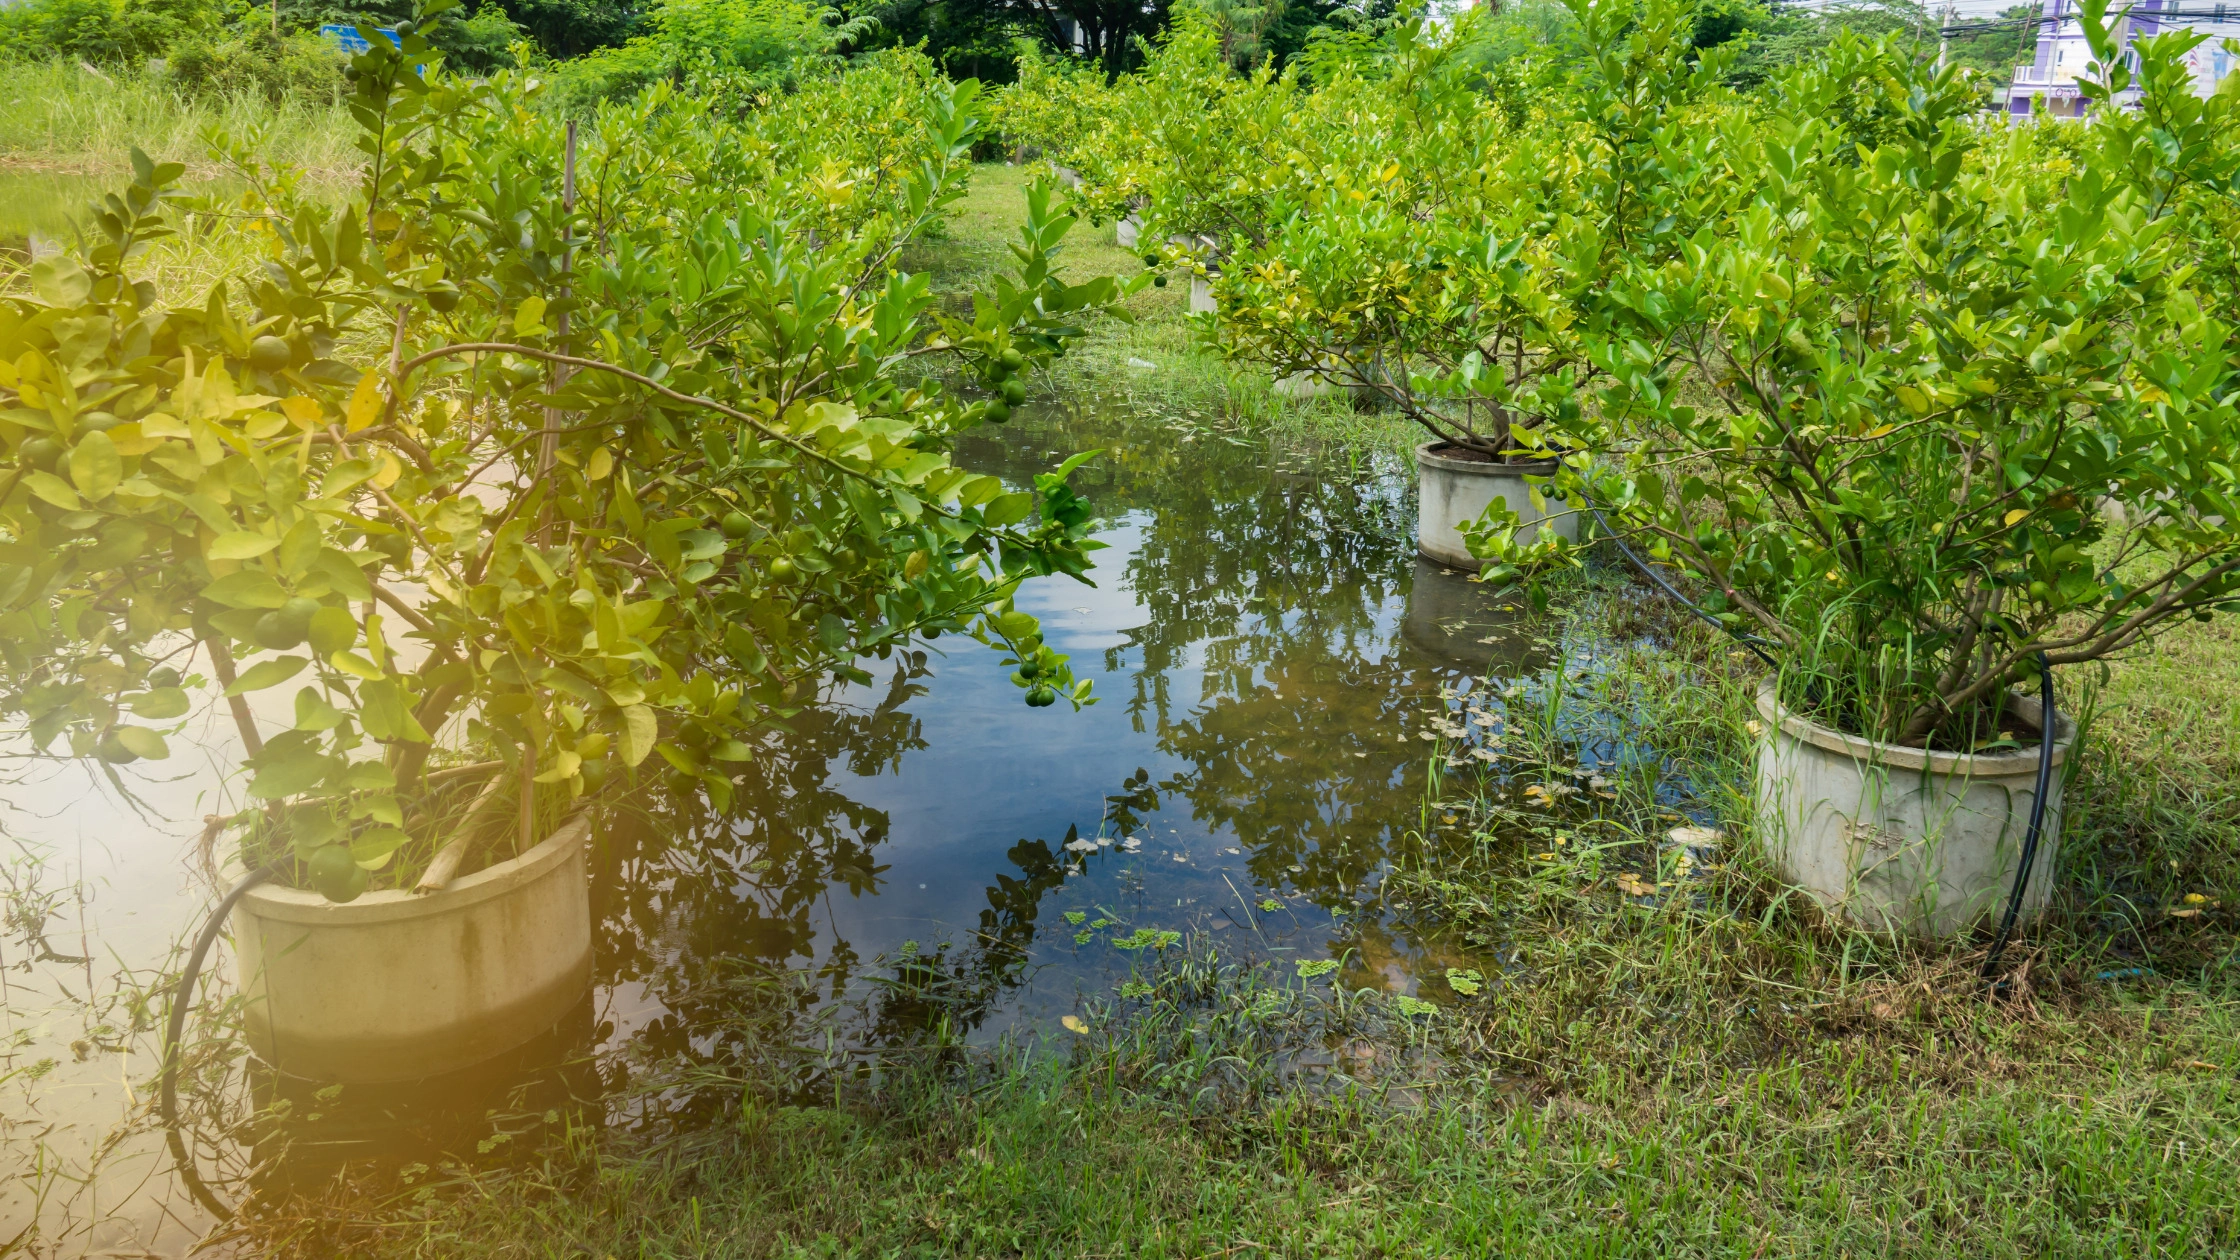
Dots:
pixel 1269 649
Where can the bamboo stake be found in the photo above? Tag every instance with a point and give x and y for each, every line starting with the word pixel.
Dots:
pixel 525 835
pixel 454 851
pixel 548 450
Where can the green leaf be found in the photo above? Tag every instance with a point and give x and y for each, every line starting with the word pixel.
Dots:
pixel 313 713
pixel 95 466
pixel 163 702
pixel 267 673
pixel 385 715
pixel 59 280
pixel 639 728
pixel 145 743
pixel 240 544
pixel 1008 509
pixel 372 848
pixel 246 588
pixel 288 771
pixel 54 490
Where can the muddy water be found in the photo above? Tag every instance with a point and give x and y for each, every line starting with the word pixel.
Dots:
pixel 1266 652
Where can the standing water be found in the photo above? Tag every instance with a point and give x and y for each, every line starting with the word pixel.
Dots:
pixel 1266 650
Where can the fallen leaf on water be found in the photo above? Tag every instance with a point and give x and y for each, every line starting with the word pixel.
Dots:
pixel 1073 1024
pixel 2187 913
pixel 1633 885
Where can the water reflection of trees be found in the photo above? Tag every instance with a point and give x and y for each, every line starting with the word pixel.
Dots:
pixel 1276 591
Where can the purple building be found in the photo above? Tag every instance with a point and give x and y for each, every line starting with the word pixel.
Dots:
pixel 2063 54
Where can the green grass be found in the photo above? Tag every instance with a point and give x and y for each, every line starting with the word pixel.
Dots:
pixel 58 118
pixel 1714 1071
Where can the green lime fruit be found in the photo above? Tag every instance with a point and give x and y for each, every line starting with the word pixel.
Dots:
pixel 163 676
pixel 1014 391
pixel 737 525
pixel 1150 260
pixel 334 874
pixel 998 411
pixel 269 353
pixel 443 300
pixel 96 422
pixel 1012 359
pixel 594 773
pixel 297 613
pixel 781 569
pixel 42 451
pixel 1158 282
pixel 1041 698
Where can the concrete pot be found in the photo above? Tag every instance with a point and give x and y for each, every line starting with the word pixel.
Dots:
pixel 395 986
pixel 1201 296
pixel 1452 492
pixel 1128 232
pixel 1902 839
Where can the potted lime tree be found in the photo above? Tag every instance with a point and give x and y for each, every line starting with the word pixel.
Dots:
pixel 1929 419
pixel 529 472
pixel 1447 258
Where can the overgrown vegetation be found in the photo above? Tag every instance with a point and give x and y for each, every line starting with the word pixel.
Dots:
pixel 1654 1048
pixel 1659 1053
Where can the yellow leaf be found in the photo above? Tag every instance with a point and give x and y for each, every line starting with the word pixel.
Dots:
pixel 602 463
pixel 350 662
pixel 132 440
pixel 564 766
pixel 365 404
pixel 2016 515
pixel 1074 1024
pixel 390 470
pixel 163 424
pixel 301 411
pixel 528 319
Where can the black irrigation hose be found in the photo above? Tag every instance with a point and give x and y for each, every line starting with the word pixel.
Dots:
pixel 182 997
pixel 1751 641
pixel 2049 719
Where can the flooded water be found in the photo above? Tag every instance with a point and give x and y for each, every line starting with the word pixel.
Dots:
pixel 1269 658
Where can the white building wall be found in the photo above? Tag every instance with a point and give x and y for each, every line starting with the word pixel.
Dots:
pixel 2062 53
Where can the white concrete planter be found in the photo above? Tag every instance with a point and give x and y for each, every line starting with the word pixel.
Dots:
pixel 1201 296
pixel 1452 492
pixel 395 986
pixel 1902 839
pixel 1128 232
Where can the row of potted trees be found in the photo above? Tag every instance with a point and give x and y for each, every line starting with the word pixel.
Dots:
pixel 554 459
pixel 1923 404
